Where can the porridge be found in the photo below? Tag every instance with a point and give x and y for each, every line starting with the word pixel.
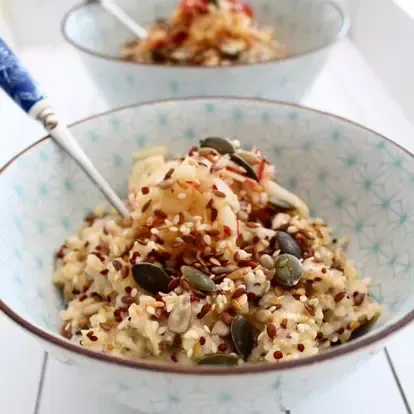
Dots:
pixel 217 264
pixel 206 33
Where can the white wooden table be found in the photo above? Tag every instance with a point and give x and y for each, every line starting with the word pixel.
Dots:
pixel 32 383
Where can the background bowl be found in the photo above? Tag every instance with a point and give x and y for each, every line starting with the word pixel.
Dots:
pixel 308 28
pixel 354 178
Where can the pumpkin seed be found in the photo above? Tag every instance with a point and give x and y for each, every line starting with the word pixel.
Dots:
pixel 250 172
pixel 287 244
pixel 198 279
pixel 364 329
pixel 214 3
pixel 151 277
pixel 242 336
pixel 221 145
pixel 180 316
pixel 289 270
pixel 278 203
pixel 158 57
pixel 232 49
pixel 218 359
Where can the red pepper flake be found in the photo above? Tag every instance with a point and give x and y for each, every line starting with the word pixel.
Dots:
pixel 278 355
pixel 158 297
pixel 210 204
pixel 204 311
pixel 202 340
pixel 75 292
pixel 227 230
pixel 324 270
pixel 339 296
pixel 252 296
pixel 178 38
pixel 128 290
pixel 238 292
pixel 82 298
pixel 118 319
pixel 340 331
pixel 222 347
pixel 301 347
pixel 214 214
pixel 317 279
pixel 174 358
pixel 133 259
pixel 145 190
pixel 271 330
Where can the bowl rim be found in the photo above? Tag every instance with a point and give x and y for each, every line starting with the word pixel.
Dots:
pixel 165 368
pixel 343 30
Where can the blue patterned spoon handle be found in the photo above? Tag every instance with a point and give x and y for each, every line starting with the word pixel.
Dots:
pixel 16 81
pixel 24 90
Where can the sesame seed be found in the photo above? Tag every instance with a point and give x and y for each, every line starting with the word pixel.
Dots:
pixel 271 330
pixel 169 174
pixel 339 296
pixel 105 326
pixel 219 194
pixel 146 206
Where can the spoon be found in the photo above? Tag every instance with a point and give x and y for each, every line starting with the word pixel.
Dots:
pixel 111 7
pixel 16 81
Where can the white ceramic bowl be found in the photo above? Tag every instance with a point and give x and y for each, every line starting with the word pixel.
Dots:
pixel 357 180
pixel 307 27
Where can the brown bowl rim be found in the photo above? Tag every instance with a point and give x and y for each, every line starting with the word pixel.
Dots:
pixel 340 34
pixel 339 351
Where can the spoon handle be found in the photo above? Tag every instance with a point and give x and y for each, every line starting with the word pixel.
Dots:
pixel 16 81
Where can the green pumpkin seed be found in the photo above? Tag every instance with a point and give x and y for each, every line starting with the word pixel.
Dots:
pixel 287 244
pixel 250 172
pixel 242 336
pixel 364 329
pixel 214 3
pixel 281 204
pixel 151 277
pixel 180 317
pixel 198 279
pixel 289 270
pixel 221 145
pixel 218 359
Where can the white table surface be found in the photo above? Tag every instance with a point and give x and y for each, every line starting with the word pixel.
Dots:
pixel 32 383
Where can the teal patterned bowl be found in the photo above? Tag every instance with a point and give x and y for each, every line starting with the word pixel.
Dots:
pixel 307 27
pixel 360 182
